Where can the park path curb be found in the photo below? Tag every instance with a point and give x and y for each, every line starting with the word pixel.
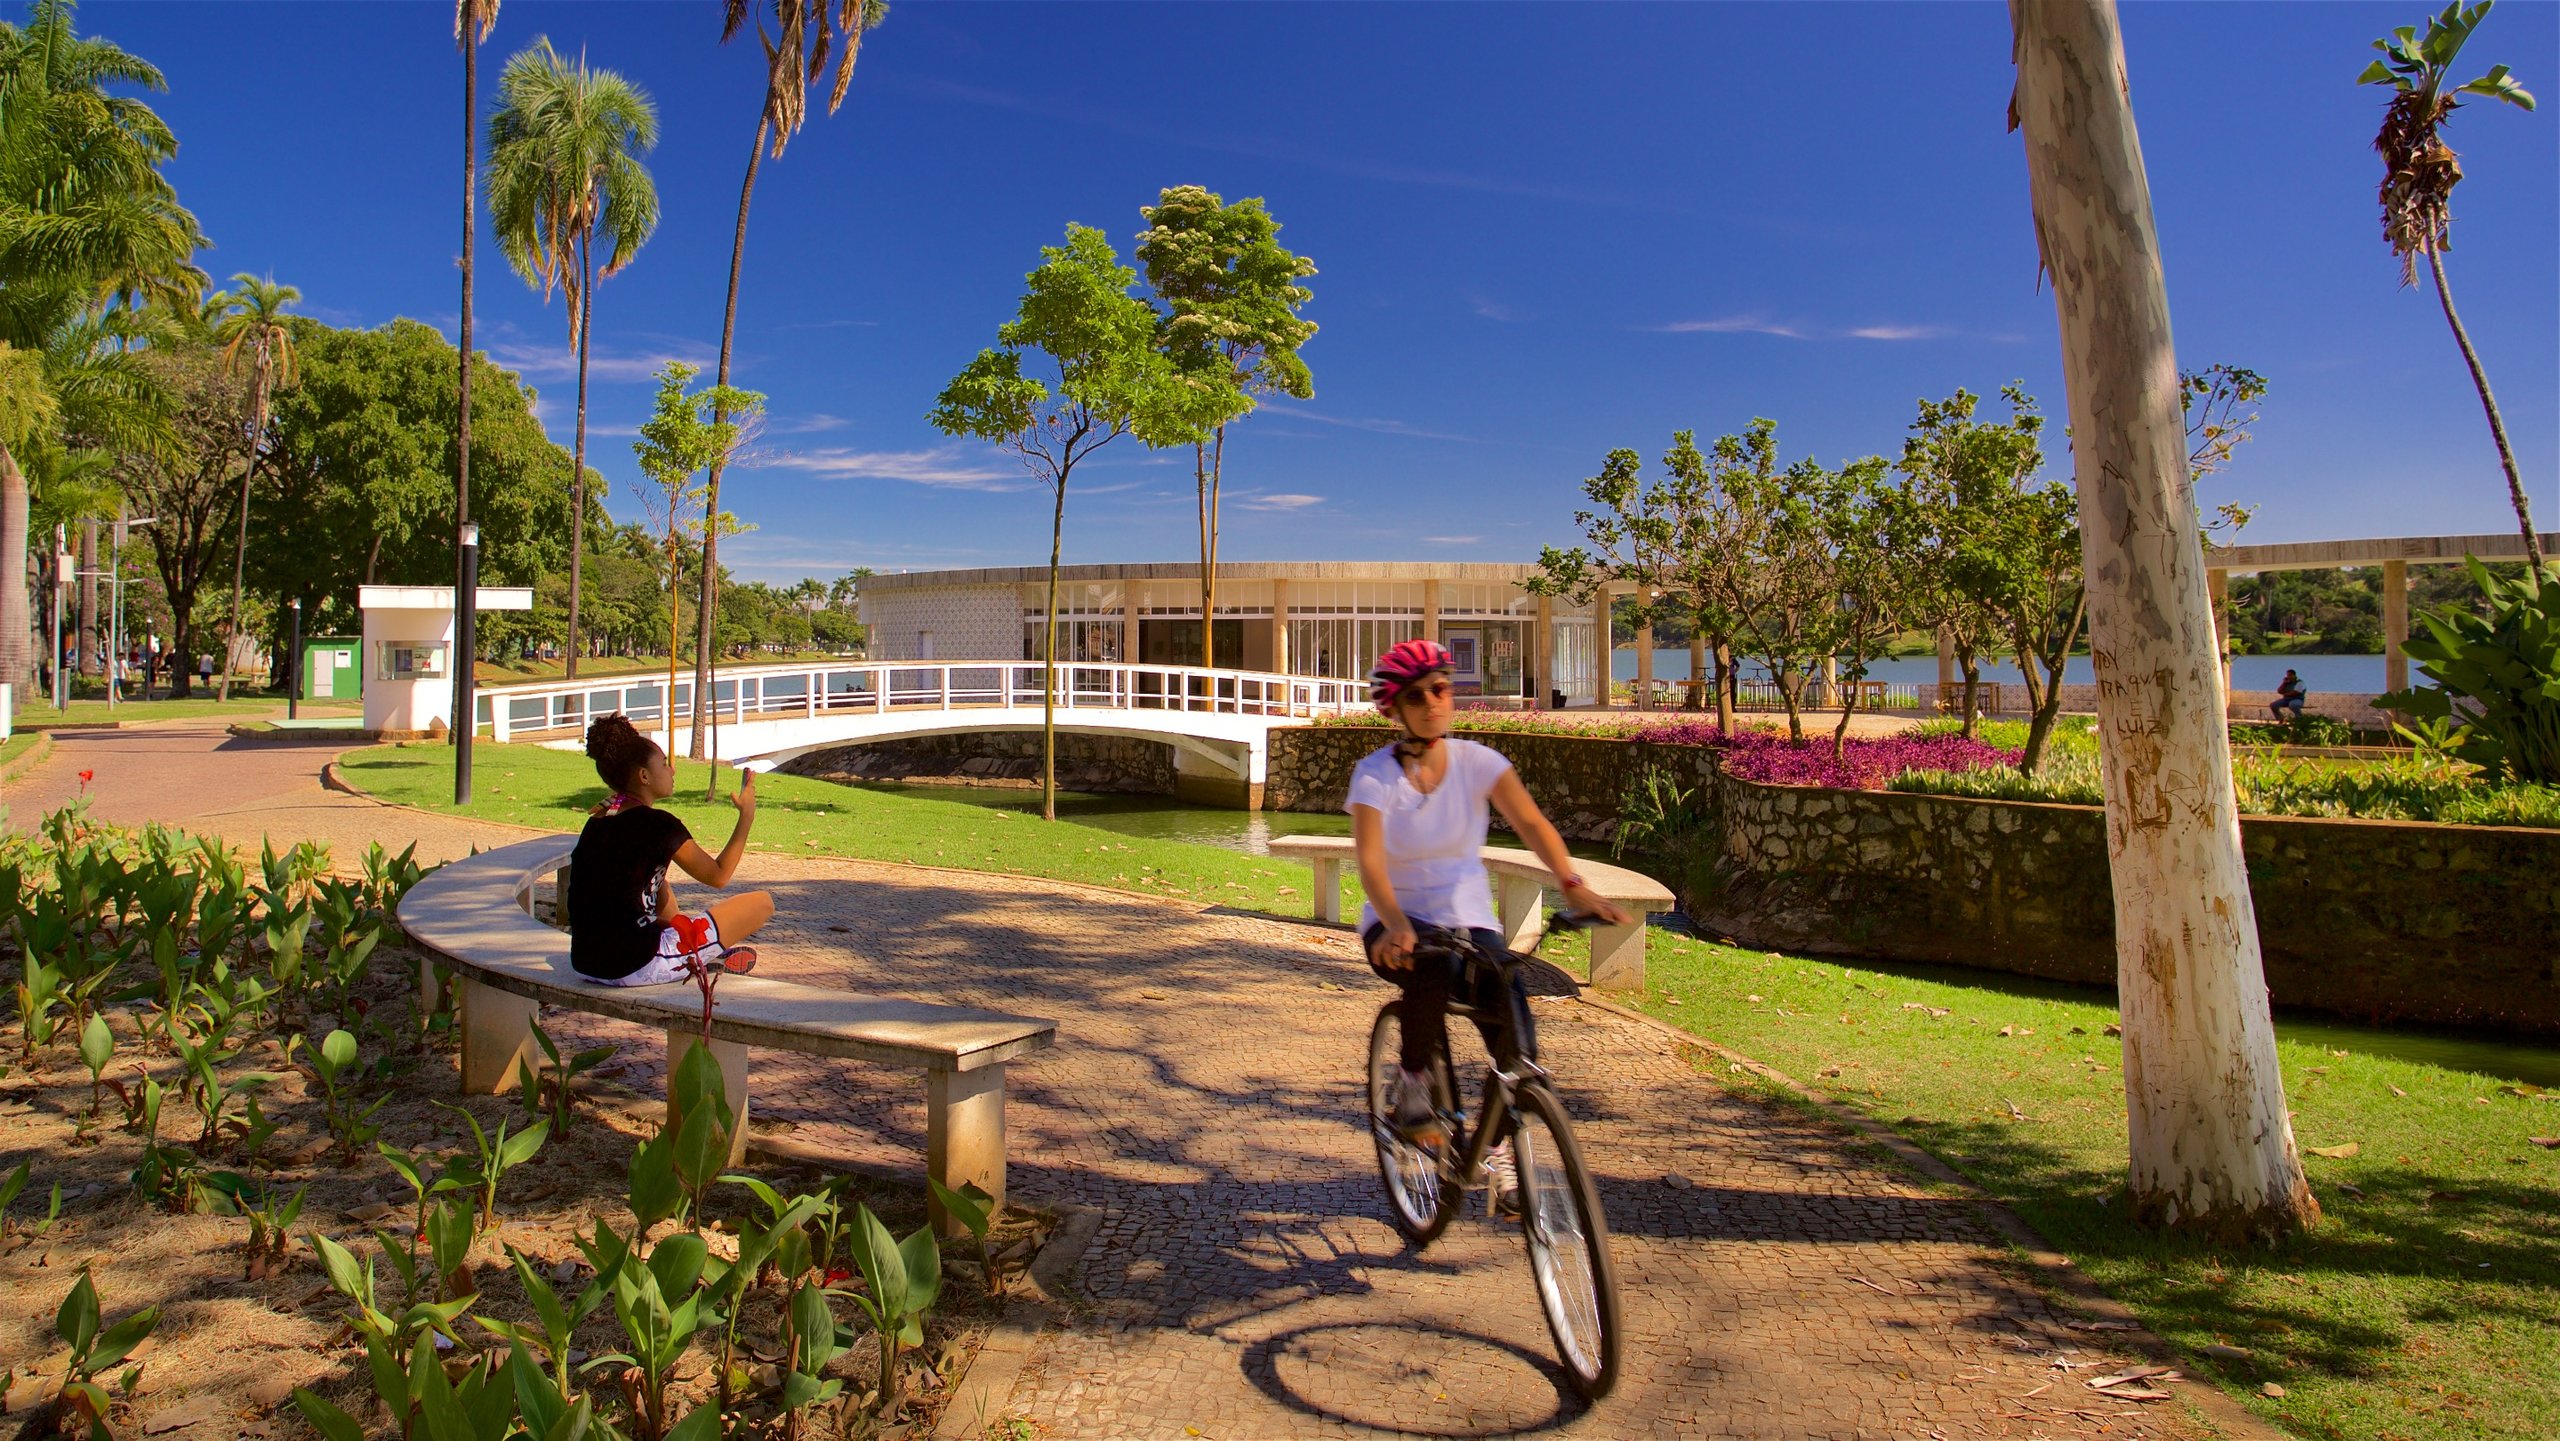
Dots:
pixel 2224 1412
pixel 34 757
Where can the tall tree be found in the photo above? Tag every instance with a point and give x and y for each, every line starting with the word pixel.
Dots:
pixel 1630 537
pixel 472 22
pixel 255 339
pixel 1108 381
pixel 2212 1149
pixel 806 34
pixel 1724 494
pixel 1231 326
pixel 677 443
pixel 187 484
pixel 2419 172
pixel 86 218
pixel 1980 562
pixel 564 174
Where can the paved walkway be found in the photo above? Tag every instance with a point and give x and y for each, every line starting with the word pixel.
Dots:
pixel 1244 1282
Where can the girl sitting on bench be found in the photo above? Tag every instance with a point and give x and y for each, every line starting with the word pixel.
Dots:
pixel 624 928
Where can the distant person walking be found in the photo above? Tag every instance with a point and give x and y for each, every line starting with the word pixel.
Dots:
pixel 2289 694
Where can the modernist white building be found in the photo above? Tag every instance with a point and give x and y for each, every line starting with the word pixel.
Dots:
pixel 1317 618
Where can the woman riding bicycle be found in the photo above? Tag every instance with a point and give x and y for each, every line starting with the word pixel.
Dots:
pixel 1419 811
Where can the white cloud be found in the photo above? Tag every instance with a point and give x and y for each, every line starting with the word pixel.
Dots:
pixel 557 362
pixel 1731 325
pixel 942 467
pixel 1451 539
pixel 803 425
pixel 1379 427
pixel 1283 501
pixel 1899 332
pixel 1489 309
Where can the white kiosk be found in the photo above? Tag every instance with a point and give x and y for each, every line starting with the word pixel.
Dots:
pixel 408 652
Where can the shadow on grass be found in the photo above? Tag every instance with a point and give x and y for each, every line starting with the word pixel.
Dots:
pixel 2413 1229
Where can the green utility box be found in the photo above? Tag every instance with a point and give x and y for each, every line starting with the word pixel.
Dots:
pixel 330 668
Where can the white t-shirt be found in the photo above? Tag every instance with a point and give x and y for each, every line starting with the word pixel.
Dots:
pixel 1432 840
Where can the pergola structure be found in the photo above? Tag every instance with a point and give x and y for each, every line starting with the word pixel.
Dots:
pixel 2394 554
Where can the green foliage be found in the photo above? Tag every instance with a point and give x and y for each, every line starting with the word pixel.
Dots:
pixel 1657 815
pixel 901 1280
pixel 10 1187
pixel 675 1169
pixel 660 1306
pixel 2496 676
pixel 93 1350
pixel 336 1065
pixel 975 1210
pixel 493 1157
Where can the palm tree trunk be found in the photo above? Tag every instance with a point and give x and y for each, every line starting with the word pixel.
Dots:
pixel 240 551
pixel 88 638
pixel 14 649
pixel 1724 687
pixel 465 604
pixel 708 607
pixel 578 467
pixel 1049 670
pixel 2497 425
pixel 2212 1148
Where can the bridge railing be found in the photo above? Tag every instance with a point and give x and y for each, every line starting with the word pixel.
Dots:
pixel 807 691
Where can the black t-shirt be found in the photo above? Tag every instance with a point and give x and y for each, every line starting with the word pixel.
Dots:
pixel 614 876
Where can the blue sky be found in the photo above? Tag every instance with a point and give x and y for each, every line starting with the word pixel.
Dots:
pixel 1542 232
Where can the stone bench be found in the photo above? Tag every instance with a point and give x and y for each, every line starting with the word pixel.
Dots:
pixel 474 917
pixel 1617 952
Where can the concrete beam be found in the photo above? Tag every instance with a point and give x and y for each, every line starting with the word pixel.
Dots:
pixel 2395 623
pixel 2410 549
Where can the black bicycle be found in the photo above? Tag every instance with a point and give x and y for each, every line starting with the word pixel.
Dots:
pixel 1559 1208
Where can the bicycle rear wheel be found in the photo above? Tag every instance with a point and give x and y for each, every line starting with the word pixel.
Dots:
pixel 1568 1241
pixel 1419 1195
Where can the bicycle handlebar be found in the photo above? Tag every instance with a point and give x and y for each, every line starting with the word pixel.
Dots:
pixel 1441 942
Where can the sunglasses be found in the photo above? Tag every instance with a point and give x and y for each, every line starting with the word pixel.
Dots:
pixel 1436 690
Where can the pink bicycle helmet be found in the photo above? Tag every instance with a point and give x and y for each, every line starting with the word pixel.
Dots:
pixel 1404 663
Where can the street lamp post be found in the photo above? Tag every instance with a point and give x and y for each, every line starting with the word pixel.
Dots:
pixel 293 665
pixel 115 607
pixel 465 646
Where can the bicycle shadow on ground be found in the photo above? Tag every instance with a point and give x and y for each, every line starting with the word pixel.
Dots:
pixel 1411 1379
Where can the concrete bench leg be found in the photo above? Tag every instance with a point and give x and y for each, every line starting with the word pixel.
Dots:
pixel 497 1036
pixel 964 1133
pixel 430 988
pixel 1522 923
pixel 733 1079
pixel 1328 884
pixel 1617 957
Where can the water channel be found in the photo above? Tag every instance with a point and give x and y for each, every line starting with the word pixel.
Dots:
pixel 1164 818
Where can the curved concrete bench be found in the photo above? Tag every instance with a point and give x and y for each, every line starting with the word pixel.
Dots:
pixel 475 917
pixel 1617 952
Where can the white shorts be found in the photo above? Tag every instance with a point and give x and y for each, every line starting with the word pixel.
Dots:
pixel 682 942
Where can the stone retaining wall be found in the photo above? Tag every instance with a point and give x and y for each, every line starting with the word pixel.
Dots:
pixel 1578 780
pixel 1001 758
pixel 2377 920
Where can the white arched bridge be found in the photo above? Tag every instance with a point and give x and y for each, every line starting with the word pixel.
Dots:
pixel 1219 722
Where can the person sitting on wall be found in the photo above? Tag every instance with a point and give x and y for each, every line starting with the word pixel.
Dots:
pixel 624 928
pixel 2289 693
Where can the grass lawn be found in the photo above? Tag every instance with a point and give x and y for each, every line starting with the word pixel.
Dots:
pixel 2426 1304
pixel 528 785
pixel 16 746
pixel 90 711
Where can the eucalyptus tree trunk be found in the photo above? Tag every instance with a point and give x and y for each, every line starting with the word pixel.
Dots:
pixel 1724 687
pixel 466 599
pixel 1049 668
pixel 1208 565
pixel 578 460
pixel 14 648
pixel 2212 1150
pixel 2497 424
pixel 88 633
pixel 708 606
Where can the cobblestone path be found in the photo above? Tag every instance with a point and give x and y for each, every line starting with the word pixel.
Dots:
pixel 1779 1282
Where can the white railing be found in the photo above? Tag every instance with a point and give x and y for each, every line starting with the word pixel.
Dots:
pixel 791 692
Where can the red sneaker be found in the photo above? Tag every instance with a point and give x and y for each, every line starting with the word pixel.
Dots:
pixel 738 960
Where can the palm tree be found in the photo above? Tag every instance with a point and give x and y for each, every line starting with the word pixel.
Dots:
pixel 472 22
pixel 86 219
pixel 252 330
pixel 808 32
pixel 2419 172
pixel 564 171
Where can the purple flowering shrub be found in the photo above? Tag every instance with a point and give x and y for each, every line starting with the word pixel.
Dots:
pixel 1770 758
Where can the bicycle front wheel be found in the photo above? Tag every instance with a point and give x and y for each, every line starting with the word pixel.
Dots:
pixel 1418 1193
pixel 1568 1242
